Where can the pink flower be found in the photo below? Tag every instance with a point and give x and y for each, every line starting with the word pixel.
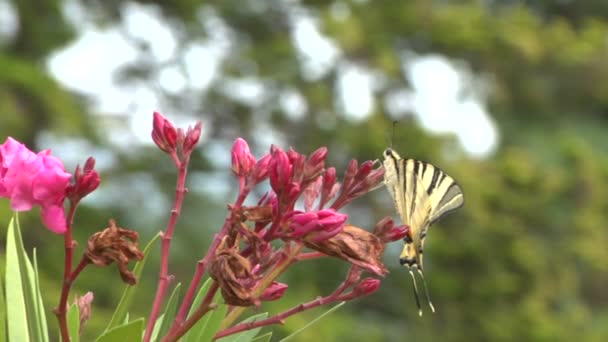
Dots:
pixel 243 161
pixel 30 179
pixel 316 226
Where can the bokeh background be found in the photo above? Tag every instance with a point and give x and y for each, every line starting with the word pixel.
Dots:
pixel 510 97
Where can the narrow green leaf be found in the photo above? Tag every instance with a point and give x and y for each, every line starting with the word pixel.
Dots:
pixel 263 338
pixel 248 335
pixel 156 328
pixel 40 312
pixel 15 298
pixel 73 318
pixel 3 332
pixel 212 320
pixel 334 308
pixel 194 332
pixel 131 331
pixel 127 294
pixel 170 309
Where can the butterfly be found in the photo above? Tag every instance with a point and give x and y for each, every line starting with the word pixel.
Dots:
pixel 422 194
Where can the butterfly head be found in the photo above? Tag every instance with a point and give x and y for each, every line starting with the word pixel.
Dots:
pixel 389 153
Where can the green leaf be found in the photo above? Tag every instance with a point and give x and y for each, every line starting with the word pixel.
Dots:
pixel 16 311
pixel 194 332
pixel 74 323
pixel 131 331
pixel 40 313
pixel 3 323
pixel 156 328
pixel 248 335
pixel 263 338
pixel 127 294
pixel 336 307
pixel 170 309
pixel 212 320
pixel 25 311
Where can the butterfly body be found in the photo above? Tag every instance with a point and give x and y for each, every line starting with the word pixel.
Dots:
pixel 422 194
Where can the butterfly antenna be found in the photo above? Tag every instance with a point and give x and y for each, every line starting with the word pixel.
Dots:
pixel 393 137
pixel 426 290
pixel 415 287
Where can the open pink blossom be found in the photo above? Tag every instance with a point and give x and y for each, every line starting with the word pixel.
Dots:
pixel 28 179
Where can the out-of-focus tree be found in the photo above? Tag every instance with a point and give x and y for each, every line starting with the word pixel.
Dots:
pixel 523 260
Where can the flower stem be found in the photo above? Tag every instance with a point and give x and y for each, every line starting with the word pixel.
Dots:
pixel 163 282
pixel 202 265
pixel 68 277
pixel 205 307
pixel 351 278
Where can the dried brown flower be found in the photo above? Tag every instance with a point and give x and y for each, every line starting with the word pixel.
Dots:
pixel 233 274
pixel 115 244
pixel 355 245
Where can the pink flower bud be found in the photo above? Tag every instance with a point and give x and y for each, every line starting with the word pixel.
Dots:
pixel 275 291
pixel 350 173
pixel 242 159
pixel 387 232
pixel 192 136
pixel 367 286
pixel 30 179
pixel 364 170
pixel 279 170
pixel 260 171
pixel 316 226
pixel 315 164
pixel 164 133
pixel 318 156
pixel 293 192
pixel 311 193
pixel 85 181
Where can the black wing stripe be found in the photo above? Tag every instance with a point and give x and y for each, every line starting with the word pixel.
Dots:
pixel 432 186
pixel 414 184
pixel 452 199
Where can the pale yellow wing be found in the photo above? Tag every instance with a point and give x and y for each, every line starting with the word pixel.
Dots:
pixel 422 194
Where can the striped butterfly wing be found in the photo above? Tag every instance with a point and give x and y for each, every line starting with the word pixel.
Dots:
pixel 423 194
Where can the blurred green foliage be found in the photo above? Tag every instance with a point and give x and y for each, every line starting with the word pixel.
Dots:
pixel 525 259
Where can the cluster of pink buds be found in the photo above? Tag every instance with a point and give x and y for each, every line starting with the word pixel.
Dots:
pixel 245 264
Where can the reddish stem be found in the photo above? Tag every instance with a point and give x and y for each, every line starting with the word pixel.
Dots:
pixel 163 282
pixel 277 319
pixel 351 278
pixel 310 255
pixel 202 264
pixel 69 244
pixel 205 307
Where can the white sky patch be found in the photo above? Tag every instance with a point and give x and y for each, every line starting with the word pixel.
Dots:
pixel 172 80
pixel 202 63
pixel 293 104
pixel 443 105
pixel 88 66
pixel 249 91
pixel 146 23
pixel 9 20
pixel 354 91
pixel 318 54
pixel 399 102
